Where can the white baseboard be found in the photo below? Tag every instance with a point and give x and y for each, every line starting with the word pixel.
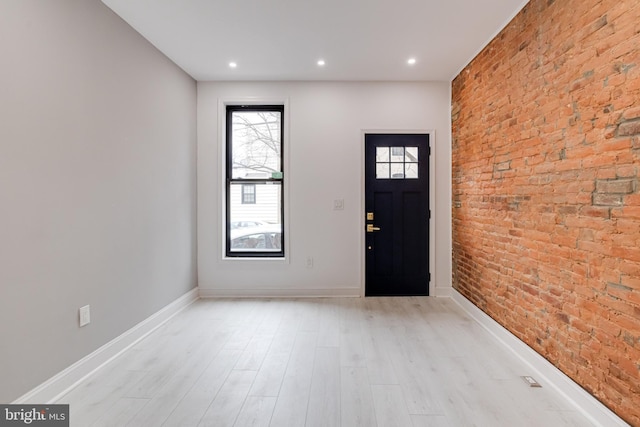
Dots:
pixel 279 293
pixel 442 292
pixel 544 371
pixel 298 293
pixel 60 384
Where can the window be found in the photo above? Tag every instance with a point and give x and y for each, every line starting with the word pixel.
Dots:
pixel 248 194
pixel 254 184
pixel 396 162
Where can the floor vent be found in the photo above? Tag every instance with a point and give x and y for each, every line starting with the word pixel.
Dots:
pixel 531 381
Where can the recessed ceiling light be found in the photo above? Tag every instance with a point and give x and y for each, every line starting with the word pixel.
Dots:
pixel 321 62
pixel 411 61
pixel 232 65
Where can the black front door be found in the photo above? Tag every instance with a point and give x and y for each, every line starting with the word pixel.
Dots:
pixel 397 214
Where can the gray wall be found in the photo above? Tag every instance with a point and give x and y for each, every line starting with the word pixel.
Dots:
pixel 97 184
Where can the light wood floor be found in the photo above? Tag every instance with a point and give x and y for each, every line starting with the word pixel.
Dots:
pixel 318 362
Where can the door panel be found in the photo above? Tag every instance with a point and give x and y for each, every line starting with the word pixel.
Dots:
pixel 383 256
pixel 397 196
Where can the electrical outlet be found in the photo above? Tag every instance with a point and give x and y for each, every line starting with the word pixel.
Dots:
pixel 338 204
pixel 85 315
pixel 309 262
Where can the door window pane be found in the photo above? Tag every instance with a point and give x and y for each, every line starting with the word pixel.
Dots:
pixel 396 162
pixel 411 170
pixel 397 154
pixel 382 170
pixel 411 154
pixel 397 170
pixel 382 154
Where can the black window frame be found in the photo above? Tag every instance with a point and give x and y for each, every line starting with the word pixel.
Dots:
pixel 230 109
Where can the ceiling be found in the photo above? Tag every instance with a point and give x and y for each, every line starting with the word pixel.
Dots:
pixel 365 40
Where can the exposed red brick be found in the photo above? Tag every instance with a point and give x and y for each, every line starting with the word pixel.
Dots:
pixel 546 218
pixel 631 113
pixel 608 200
pixel 629 128
pixel 618 186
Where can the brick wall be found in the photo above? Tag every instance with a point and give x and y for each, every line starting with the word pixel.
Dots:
pixel 546 189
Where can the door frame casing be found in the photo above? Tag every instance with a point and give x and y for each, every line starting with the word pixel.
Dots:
pixel 432 221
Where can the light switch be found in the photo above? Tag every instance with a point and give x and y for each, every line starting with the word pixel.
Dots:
pixel 85 315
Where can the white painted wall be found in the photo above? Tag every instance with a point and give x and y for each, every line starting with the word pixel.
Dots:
pixel 97 184
pixel 325 149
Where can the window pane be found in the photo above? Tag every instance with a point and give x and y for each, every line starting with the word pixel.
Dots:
pixel 382 154
pixel 248 193
pixel 258 226
pixel 411 154
pixel 397 170
pixel 411 170
pixel 255 144
pixel 397 154
pixel 382 170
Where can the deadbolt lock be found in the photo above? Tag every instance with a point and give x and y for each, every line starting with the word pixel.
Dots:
pixel 369 216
